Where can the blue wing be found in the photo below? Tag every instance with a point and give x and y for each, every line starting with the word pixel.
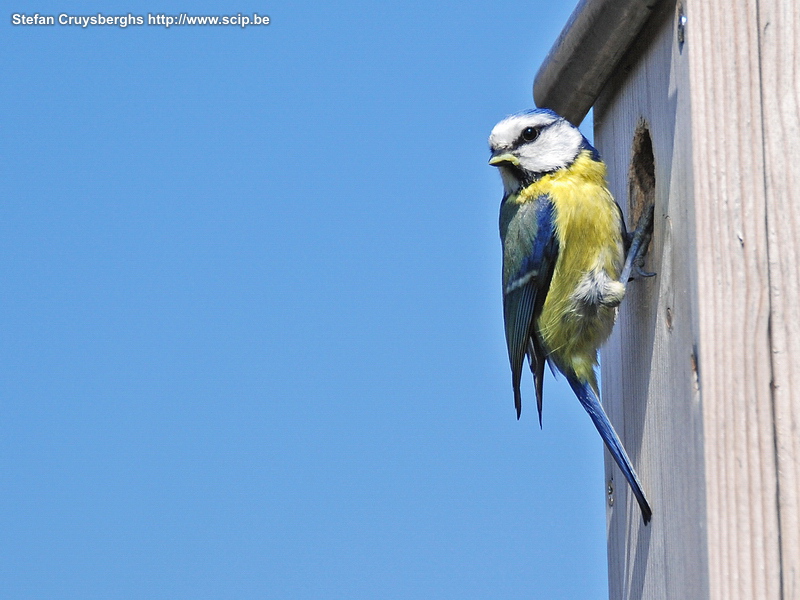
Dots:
pixel 592 405
pixel 530 249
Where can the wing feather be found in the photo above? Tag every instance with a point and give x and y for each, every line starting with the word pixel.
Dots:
pixel 530 249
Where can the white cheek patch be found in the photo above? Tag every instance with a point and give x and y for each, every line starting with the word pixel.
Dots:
pixel 556 147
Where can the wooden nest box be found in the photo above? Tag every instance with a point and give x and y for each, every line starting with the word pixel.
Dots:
pixel 697 111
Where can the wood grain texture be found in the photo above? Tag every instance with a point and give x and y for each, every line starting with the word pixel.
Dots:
pixel 779 27
pixel 648 368
pixel 700 377
pixel 734 300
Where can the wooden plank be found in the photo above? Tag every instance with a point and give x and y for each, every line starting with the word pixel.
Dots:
pixel 648 368
pixel 734 300
pixel 779 27
pixel 700 377
pixel 585 54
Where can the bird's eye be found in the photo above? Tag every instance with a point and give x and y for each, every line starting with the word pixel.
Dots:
pixel 530 133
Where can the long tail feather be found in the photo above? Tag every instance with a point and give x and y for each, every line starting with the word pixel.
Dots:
pixel 592 405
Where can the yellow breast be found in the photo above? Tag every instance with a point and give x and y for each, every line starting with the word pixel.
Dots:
pixel 580 307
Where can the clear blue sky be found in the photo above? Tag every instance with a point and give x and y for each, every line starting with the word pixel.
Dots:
pixel 251 339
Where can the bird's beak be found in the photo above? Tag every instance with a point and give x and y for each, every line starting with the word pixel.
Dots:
pixel 498 160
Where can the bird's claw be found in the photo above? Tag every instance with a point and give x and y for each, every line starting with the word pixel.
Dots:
pixel 642 273
pixel 640 241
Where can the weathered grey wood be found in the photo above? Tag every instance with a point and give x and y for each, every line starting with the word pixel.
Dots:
pixel 779 28
pixel 700 377
pixel 649 375
pixel 585 54
pixel 734 300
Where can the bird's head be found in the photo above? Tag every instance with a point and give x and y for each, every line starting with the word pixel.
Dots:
pixel 529 144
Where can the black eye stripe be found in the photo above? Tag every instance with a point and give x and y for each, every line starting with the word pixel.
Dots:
pixel 528 135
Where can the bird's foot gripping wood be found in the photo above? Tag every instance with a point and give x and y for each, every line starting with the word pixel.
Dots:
pixel 640 240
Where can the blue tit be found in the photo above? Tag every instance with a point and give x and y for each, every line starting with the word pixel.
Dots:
pixel 564 261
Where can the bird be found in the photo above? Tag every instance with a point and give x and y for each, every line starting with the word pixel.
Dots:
pixel 567 258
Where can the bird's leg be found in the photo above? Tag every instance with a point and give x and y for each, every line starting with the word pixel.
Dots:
pixel 640 240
